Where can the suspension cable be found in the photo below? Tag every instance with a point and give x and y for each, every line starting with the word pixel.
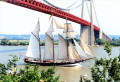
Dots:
pixel 72 4
pixel 88 9
pixel 68 9
pixel 54 5
pixel 96 15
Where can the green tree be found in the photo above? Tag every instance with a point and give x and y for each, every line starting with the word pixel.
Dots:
pixel 106 70
pixel 99 41
pixel 3 72
pixel 4 41
pixel 48 75
pixel 31 73
pixel 12 62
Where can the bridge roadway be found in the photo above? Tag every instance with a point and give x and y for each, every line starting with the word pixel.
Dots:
pixel 38 6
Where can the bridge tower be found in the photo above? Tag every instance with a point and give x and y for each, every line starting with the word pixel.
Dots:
pixel 87 32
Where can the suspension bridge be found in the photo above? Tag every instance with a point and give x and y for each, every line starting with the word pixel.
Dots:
pixel 89 32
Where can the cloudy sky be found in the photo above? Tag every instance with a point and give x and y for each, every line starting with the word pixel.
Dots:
pixel 19 20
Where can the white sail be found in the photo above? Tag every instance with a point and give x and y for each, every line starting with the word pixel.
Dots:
pixel 80 51
pixel 58 25
pixel 34 48
pixel 62 50
pixel 68 31
pixel 73 54
pixel 86 48
pixel 49 43
pixel 48 48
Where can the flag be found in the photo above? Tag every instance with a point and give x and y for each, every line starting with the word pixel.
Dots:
pixel 20 55
pixel 50 16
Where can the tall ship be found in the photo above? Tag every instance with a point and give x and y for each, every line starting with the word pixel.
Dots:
pixel 70 53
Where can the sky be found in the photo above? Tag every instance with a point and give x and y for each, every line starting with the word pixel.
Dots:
pixel 18 20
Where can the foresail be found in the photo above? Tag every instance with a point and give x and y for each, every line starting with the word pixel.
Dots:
pixel 49 46
pixel 73 54
pixel 58 25
pixel 86 48
pixel 34 48
pixel 62 49
pixel 80 51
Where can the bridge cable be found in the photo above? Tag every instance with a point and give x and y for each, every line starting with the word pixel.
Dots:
pixel 68 9
pixel 96 15
pixel 54 5
pixel 88 9
pixel 72 4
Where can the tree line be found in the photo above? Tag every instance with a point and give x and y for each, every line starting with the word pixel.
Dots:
pixel 113 42
pixel 4 41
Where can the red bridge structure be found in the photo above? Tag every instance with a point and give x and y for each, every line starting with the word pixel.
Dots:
pixel 41 7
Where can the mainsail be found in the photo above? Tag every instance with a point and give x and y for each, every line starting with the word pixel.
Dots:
pixel 80 51
pixel 48 48
pixel 49 43
pixel 34 47
pixel 62 50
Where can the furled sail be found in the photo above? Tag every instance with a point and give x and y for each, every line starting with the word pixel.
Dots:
pixel 80 51
pixel 34 47
pixel 62 50
pixel 58 25
pixel 49 43
pixel 86 48
pixel 68 31
pixel 73 54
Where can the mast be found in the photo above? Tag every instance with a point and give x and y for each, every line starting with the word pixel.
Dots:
pixel 67 40
pixel 53 43
pixel 39 40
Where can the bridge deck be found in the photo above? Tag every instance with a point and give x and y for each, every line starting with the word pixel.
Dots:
pixel 38 6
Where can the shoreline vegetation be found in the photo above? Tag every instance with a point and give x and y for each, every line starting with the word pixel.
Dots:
pixel 7 42
pixel 21 42
pixel 97 42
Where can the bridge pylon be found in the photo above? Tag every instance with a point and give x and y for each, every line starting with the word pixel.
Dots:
pixel 87 32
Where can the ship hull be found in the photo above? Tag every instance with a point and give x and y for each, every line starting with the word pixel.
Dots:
pixel 69 64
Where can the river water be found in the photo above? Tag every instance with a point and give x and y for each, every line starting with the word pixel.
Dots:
pixel 68 74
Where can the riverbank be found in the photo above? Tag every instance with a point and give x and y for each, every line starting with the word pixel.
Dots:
pixel 22 42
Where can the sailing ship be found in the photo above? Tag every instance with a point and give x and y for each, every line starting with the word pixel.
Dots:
pixel 69 51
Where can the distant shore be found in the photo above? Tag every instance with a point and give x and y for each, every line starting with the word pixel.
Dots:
pixel 22 43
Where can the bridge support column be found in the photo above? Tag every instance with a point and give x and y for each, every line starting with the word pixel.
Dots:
pixel 96 34
pixel 105 37
pixel 100 34
pixel 86 34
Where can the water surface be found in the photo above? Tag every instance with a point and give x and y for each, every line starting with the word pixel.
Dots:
pixel 69 74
